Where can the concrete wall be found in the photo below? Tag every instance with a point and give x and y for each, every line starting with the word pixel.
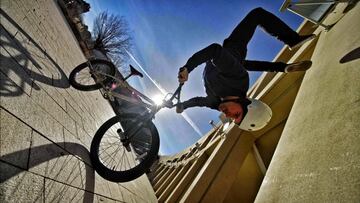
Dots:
pixel 318 155
pixel 46 125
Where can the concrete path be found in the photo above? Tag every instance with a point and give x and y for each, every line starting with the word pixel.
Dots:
pixel 46 125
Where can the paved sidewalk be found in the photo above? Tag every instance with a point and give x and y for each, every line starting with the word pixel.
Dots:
pixel 46 125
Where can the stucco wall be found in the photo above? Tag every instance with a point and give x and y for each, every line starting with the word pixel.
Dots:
pixel 318 156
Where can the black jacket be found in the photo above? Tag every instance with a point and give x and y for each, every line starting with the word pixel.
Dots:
pixel 224 75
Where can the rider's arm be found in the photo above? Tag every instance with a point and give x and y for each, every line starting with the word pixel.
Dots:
pixel 206 54
pixel 209 102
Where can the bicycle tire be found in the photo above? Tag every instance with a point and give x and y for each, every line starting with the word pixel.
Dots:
pixel 72 77
pixel 109 173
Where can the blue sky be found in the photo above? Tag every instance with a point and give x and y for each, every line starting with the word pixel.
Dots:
pixel 166 33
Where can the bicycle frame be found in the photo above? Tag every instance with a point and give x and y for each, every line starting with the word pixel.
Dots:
pixel 109 91
pixel 149 104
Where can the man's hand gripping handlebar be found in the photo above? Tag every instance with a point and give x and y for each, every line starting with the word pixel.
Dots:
pixel 183 75
pixel 169 103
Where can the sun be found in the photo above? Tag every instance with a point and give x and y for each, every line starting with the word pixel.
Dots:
pixel 158 99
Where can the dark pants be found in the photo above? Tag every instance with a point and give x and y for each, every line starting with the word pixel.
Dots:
pixel 237 42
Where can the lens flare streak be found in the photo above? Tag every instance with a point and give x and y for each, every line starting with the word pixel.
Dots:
pixel 162 90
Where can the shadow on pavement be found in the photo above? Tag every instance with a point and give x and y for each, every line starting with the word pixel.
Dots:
pixel 24 58
pixel 44 153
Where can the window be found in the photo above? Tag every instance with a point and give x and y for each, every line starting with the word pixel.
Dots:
pixel 312 10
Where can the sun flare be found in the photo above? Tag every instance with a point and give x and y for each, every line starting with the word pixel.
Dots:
pixel 158 99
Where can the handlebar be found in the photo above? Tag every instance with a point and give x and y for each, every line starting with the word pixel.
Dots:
pixel 169 103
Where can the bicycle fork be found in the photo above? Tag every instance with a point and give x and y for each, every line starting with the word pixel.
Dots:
pixel 130 132
pixel 125 140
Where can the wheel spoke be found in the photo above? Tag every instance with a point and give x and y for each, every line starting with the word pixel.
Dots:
pixel 112 157
pixel 118 154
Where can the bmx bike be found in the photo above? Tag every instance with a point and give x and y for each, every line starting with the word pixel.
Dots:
pixel 126 145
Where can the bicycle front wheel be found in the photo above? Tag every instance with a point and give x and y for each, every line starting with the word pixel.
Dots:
pixel 118 158
pixel 85 78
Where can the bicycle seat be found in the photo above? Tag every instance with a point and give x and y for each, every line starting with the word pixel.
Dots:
pixel 133 71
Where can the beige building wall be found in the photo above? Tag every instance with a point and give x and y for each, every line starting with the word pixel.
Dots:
pixel 318 156
pixel 315 120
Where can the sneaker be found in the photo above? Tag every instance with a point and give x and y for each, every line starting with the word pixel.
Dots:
pixel 302 39
pixel 298 66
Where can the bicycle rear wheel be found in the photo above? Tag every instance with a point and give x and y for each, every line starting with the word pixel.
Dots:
pixel 86 79
pixel 116 160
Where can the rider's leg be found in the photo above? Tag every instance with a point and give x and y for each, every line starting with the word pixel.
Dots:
pixel 251 65
pixel 240 37
pixel 276 66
